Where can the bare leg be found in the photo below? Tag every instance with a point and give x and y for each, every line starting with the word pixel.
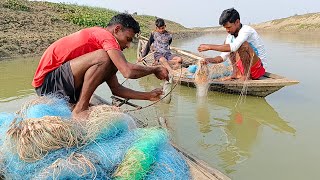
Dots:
pixel 165 63
pixel 175 62
pixel 89 71
pixel 236 73
pixel 234 57
pixel 248 58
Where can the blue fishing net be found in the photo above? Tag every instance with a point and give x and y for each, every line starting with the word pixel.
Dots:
pixel 177 169
pixel 114 129
pixel 214 75
pixel 5 121
pixel 55 107
pixel 104 155
pixel 15 168
pixel 98 158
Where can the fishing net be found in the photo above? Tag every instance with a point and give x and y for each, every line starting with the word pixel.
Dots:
pixel 33 138
pixel 141 155
pixel 108 145
pixel 5 121
pixel 52 105
pixel 201 79
pixel 106 122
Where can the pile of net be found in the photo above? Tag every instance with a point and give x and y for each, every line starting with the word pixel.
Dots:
pixel 216 71
pixel 42 141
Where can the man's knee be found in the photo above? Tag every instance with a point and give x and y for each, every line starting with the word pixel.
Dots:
pixel 100 57
pixel 233 56
pixel 162 59
pixel 244 47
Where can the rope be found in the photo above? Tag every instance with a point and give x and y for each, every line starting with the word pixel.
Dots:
pixel 245 85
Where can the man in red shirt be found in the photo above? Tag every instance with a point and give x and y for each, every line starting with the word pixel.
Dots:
pixel 75 65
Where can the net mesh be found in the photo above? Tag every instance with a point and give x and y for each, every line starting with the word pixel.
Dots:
pixel 105 146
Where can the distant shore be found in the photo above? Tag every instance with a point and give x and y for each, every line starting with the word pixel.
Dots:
pixel 307 23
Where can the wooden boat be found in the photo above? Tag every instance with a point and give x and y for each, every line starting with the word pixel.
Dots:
pixel 198 168
pixel 266 85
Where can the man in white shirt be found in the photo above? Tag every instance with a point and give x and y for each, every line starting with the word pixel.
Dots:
pixel 243 47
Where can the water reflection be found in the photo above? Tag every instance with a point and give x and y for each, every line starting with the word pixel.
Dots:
pixel 242 127
pixel 203 115
pixel 229 132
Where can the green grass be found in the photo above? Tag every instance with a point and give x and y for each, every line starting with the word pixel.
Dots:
pixel 16 5
pixel 84 16
pixel 309 26
pixel 91 16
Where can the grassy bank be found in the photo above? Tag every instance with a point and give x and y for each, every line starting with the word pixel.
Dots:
pixel 298 24
pixel 28 28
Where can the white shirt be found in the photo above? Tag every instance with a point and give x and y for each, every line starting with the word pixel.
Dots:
pixel 250 35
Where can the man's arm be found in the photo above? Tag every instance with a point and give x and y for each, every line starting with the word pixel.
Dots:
pixel 147 49
pixel 217 59
pixel 134 71
pixel 214 47
pixel 121 91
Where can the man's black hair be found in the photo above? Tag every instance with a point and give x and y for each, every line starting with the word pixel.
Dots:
pixel 160 22
pixel 126 20
pixel 229 15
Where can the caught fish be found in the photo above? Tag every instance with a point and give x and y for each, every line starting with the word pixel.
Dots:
pixel 167 87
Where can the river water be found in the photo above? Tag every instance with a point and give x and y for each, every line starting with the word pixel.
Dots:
pixel 256 138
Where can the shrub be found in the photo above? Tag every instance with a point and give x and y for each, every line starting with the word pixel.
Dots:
pixel 16 5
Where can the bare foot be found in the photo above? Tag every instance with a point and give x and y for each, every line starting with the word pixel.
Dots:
pixel 235 76
pixel 224 78
pixel 244 78
pixel 80 116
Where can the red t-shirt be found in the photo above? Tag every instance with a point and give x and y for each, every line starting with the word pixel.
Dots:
pixel 72 46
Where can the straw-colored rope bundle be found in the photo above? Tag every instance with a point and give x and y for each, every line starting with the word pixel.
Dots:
pixel 32 139
pixel 100 117
pixel 96 111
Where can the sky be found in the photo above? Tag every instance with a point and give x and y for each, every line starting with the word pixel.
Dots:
pixel 206 13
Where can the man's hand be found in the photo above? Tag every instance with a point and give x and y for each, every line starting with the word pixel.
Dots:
pixel 204 61
pixel 203 47
pixel 154 95
pixel 161 73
